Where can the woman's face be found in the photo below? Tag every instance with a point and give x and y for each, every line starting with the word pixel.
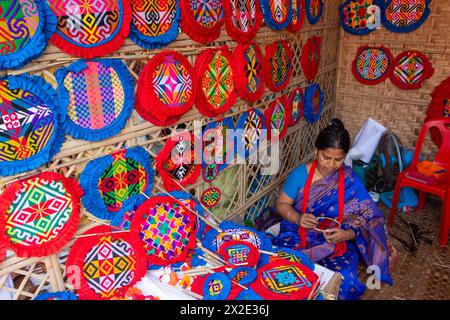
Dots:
pixel 329 160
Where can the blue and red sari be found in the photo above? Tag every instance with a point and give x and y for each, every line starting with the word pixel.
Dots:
pixel 360 213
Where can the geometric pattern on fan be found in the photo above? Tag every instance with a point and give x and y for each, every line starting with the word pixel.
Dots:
pixel 410 69
pixel 166 228
pixel 91 28
pixel 109 262
pixel 40 213
pixel 405 15
pixel 372 64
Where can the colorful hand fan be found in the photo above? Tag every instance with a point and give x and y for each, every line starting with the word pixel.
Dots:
pixel 296 104
pixel 278 65
pixel 216 93
pixel 283 253
pixel 56 296
pixel 218 143
pixel 167 87
pixel 242 19
pixel 252 132
pixel 410 69
pixel 357 17
pixel 243 275
pixel 310 59
pixel 166 228
pixel 154 23
pixel 210 172
pixel 405 15
pixel 372 64
pixel 277 13
pixel 41 213
pixel 216 286
pixel 105 262
pixel 298 16
pixel 284 280
pixel 30 124
pixel 178 162
pixel 115 184
pixel 202 20
pixel 91 28
pixel 98 97
pixel 439 107
pixel 211 197
pixel 278 117
pixel 248 71
pixel 231 231
pixel 314 10
pixel 27 26
pixel 239 253
pixel 313 103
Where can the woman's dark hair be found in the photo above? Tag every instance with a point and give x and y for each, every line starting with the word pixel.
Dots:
pixel 334 136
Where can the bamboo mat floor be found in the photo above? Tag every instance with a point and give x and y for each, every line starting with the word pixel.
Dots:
pixel 420 275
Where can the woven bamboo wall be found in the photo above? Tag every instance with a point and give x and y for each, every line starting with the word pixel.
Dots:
pixel 240 201
pixel 401 111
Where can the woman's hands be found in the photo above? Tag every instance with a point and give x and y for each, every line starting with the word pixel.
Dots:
pixel 308 221
pixel 337 235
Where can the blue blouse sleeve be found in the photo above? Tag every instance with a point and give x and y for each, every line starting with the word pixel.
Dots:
pixel 295 181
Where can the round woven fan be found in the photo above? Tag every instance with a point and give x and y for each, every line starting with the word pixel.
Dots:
pixel 105 262
pixel 278 118
pixel 410 69
pixel 242 19
pixel 210 172
pixel 67 295
pixel 284 280
pixel 231 231
pixel 91 28
pixel 154 23
pixel 216 94
pixel 40 214
pixel 202 20
pixel 277 13
pixel 314 10
pixel 216 286
pixel 278 65
pixel 356 16
pixel 27 26
pixel 114 184
pixel 167 87
pixel 298 16
pixel 405 15
pixel 166 228
pixel 372 64
pixel 98 97
pixel 30 123
pixel 253 132
pixel 310 59
pixel 239 253
pixel 211 197
pixel 243 275
pixel 178 163
pixel 248 71
pixel 218 143
pixel 296 104
pixel 313 103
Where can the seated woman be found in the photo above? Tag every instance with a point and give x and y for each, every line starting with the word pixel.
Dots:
pixel 327 188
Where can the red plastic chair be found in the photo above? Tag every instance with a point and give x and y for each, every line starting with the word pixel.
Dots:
pixel 440 189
